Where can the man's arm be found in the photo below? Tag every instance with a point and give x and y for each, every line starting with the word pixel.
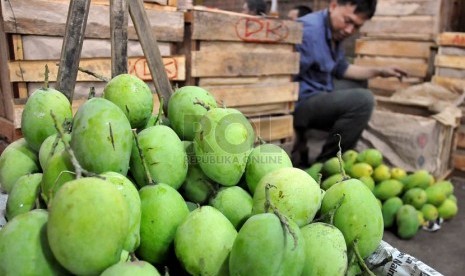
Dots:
pixel 358 72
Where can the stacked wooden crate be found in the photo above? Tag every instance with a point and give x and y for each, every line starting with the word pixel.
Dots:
pixel 450 72
pixel 402 33
pixel 32 35
pixel 247 63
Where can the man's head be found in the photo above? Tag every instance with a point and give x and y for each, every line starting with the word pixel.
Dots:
pixel 254 7
pixel 298 11
pixel 347 16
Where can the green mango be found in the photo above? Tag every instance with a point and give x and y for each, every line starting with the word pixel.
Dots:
pixel 139 268
pixel 325 250
pixel 17 159
pixel 163 210
pixel 389 210
pixel 265 245
pixel 419 179
pixel 133 96
pixel 131 196
pixel 407 221
pixel 430 212
pixel 262 160
pixel 24 248
pixel 88 225
pixel 203 242
pixel 164 155
pixel 186 107
pixel 331 166
pixel 222 145
pixel 47 148
pixel 235 204
pixel 448 209
pixel 388 188
pixel 372 157
pixel 360 169
pixel 23 196
pixel 37 122
pixel 293 192
pixel 57 172
pixel 330 181
pixel 315 171
pixel 102 137
pixel 416 197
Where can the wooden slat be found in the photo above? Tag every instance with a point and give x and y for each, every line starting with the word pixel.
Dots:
pixel 119 37
pixel 271 128
pixel 234 46
pixel 264 80
pixel 459 159
pixel 392 84
pixel 450 72
pixel 401 36
pixel 245 95
pixel 457 62
pixel 7 130
pixel 266 109
pixel 211 25
pixel 49 47
pixel 451 39
pixel 211 64
pixel 18 54
pixel 6 93
pixel 33 71
pixel 393 48
pixel 414 67
pixel 50 20
pixel 451 51
pixel 404 8
pixel 460 136
pixel 389 25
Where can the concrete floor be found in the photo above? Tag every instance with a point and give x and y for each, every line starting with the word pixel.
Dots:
pixel 443 250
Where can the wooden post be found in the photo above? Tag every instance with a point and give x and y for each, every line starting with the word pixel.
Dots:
pixel 119 37
pixel 151 51
pixel 72 46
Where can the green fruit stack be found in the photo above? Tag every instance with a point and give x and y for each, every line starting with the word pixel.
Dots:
pixel 409 200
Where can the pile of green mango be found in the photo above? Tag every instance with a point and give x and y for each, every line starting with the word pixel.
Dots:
pixel 409 200
pixel 119 188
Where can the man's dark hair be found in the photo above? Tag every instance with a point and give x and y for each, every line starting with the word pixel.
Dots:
pixel 366 7
pixel 257 6
pixel 303 10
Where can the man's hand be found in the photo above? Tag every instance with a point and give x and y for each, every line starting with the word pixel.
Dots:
pixel 392 71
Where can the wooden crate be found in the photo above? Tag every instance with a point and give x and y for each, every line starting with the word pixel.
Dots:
pixel 450 72
pixel 403 33
pixel 246 62
pixel 31 37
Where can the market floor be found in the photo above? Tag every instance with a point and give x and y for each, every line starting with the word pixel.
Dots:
pixel 443 250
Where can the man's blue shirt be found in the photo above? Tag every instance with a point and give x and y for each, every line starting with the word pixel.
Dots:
pixel 319 62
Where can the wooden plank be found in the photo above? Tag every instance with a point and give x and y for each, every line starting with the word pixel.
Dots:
pixel 7 130
pixel 392 24
pixel 210 25
pixel 244 95
pixel 119 37
pixel 219 46
pixel 451 51
pixel 455 39
pixel 226 64
pixel 50 20
pixel 413 49
pixel 405 8
pixel 19 55
pixel 450 72
pixel 266 109
pixel 33 70
pixel 49 47
pixel 449 83
pixel 460 136
pixel 154 60
pixel 414 67
pixel 459 159
pixel 457 62
pixel 269 80
pixel 72 45
pixel 392 84
pixel 401 36
pixel 271 128
pixel 6 92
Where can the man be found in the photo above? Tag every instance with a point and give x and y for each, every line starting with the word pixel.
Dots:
pixel 298 11
pixel 342 110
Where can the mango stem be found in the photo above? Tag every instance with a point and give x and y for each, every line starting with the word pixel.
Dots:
pixel 142 158
pixel 361 262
